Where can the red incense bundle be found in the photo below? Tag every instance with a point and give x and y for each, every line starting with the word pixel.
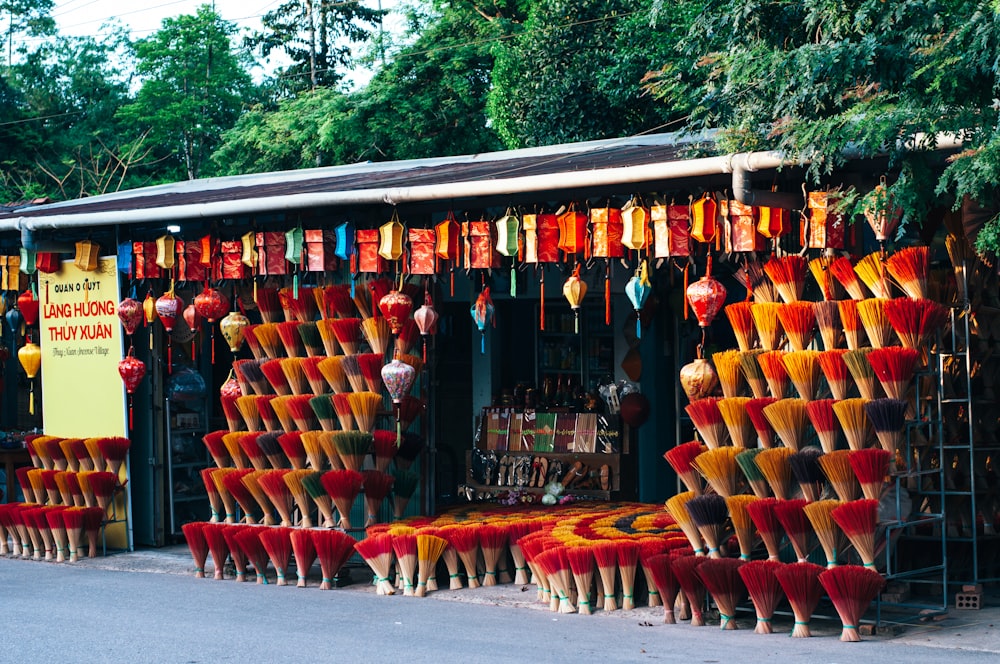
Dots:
pixel 764 590
pixel 831 363
pixel 796 525
pixel 798 320
pixel 214 499
pixel 377 486
pixel 343 486
pixel 493 542
pixel 741 320
pixel 278 544
pixel 465 539
pixel 337 302
pixel 582 565
pixel 248 539
pixel 371 370
pixel 859 521
pixel 555 565
pixel 824 422
pixel 909 267
pixel 377 552
pixel 268 304
pixel 800 582
pixel 384 448
pixel 231 487
pixel 253 343
pixel 852 590
pixel 194 534
pixel 850 319
pixel 216 541
pixel 915 321
pixel 680 459
pixel 293 449
pixel 843 271
pixel 755 411
pixel 236 551
pixel 304 551
pixel 894 367
pixel 274 486
pixel 114 450
pixel 761 511
pixel 515 531
pixel 333 549
pixel 723 582
pixel 606 554
pixel 871 466
pixel 685 569
pixel 707 418
pixel 649 547
pixel 665 583
pixel 405 548
pixel 275 376
pixel 291 340
pixel 302 413
pixel 249 443
pixel 788 274
pixel 773 366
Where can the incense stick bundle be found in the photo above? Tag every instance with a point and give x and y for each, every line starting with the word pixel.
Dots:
pixel 788 274
pixel 276 377
pixel 718 467
pixel 877 326
pixel 429 550
pixel 377 485
pixel 755 411
pixel 325 411
pixel 650 547
pixel 194 534
pixel 465 538
pixel 365 407
pixel 665 583
pixel 738 423
pixel 836 466
pixel 342 405
pixel 236 552
pixel 348 333
pixel 408 337
pixel 831 363
pixel 742 523
pixel 752 277
pixel 764 590
pixel 251 481
pixel 377 552
pixel 727 368
pixel 803 370
pixel 384 448
pixel 894 367
pixel 915 322
pixel 269 305
pixel 363 301
pixel 852 590
pixel 269 339
pixel 312 341
pixel 872 272
pixel 773 366
pixel 753 373
pixel 300 495
pixel 628 562
pixel 676 507
pixel 328 337
pixel 775 467
pixel 741 320
pixel 862 372
pixel 229 482
pixel 313 484
pixel 685 569
pixel 268 417
pixel 796 525
pixel 343 486
pixel 859 521
pixel 807 472
pixel 272 482
pixel 800 582
pixel 707 419
pixel 377 334
pixel 251 374
pixel 371 365
pixel 828 319
pixel 333 372
pixel 352 448
pixel 827 531
pixel 352 369
pixel 798 320
pixel 215 537
pixel 723 582
pixel 493 543
pixel 765 320
pixel 606 556
pixel 291 340
pixel 843 271
pixel 337 301
pixel 888 418
pixel 313 449
pixel 280 406
pixel 755 478
pixel 824 422
pixel 909 268
pixel 217 448
pixel 253 343
pixel 681 460
pixel 852 417
pixel 295 375
pixel 850 319
pixel 871 466
pixel 304 551
pixel 788 419
pixel 709 513
pixel 333 549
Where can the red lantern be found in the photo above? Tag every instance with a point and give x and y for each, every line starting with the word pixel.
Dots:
pixel 706 297
pixel 426 318
pixel 47 262
pixel 130 314
pixel 212 305
pixel 168 307
pixel 132 371
pixel 231 388
pixel 28 304
pixel 396 308
pixel 193 320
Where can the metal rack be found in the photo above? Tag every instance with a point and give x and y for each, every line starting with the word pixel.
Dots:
pixel 194 505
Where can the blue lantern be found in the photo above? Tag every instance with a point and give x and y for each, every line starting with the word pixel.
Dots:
pixel 637 289
pixel 482 313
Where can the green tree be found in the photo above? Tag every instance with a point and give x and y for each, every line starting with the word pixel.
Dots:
pixel 24 18
pixel 317 36
pixel 194 85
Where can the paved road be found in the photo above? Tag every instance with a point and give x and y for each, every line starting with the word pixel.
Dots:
pixel 86 614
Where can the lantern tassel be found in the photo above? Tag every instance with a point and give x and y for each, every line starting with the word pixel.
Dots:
pixel 576 321
pixel 451 274
pixel 513 281
pixel 638 324
pixel 607 294
pixel 131 421
pixel 399 428
pixel 31 399
pixel 686 268
pixel 482 343
pixel 541 301
pixel 295 285
pixel 170 356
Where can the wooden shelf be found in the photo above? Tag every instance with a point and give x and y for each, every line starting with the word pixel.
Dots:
pixel 589 493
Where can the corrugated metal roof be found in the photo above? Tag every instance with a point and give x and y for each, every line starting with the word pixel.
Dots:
pixel 559 159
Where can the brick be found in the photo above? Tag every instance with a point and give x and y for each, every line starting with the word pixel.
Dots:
pixel 969 601
pixel 972 588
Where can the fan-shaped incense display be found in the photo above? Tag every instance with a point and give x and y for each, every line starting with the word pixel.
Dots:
pixel 738 423
pixel 800 582
pixel 854 331
pixel 371 365
pixel 269 339
pixel 377 334
pixel 909 268
pixel 836 466
pixel 291 340
pixel 798 320
pixel 707 418
pixel 365 406
pixel 807 472
pixel 775 467
pixel 278 544
pixel 862 372
pixel 377 552
pixel 894 367
pixel 741 321
pixel 915 322
pixel 343 486
pixel 280 405
pixel 843 271
pixel 276 377
pixel 677 508
pixel 824 422
pixel 348 333
pixel 773 366
pixel 742 523
pixel 723 582
pixel 827 531
pixel 762 514
pixel 788 418
pixel 852 417
pixel 755 411
pixel 859 521
pixel 871 467
pixel 328 337
pixel 680 459
pixel 342 404
pixel 764 590
pixel 352 370
pixel 803 370
pixel 718 467
pixel 819 267
pixel 685 570
pixel 754 374
pixel 872 272
pixel 755 478
pixel 852 590
pixel 333 372
pixel 876 323
pixel 333 549
pixel 727 368
pixel 888 418
pixel 765 320
pixel 788 274
pixel 831 363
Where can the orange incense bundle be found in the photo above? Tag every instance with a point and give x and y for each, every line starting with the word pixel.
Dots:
pixel 872 272
pixel 680 459
pixel 764 590
pixel 194 534
pixel 754 374
pixel 377 552
pixel 685 569
pixel 871 466
pixel 755 411
pixel 727 368
pixel 773 366
pixel 343 486
pixel 430 548
pixel 251 481
pixel 859 521
pixel 836 466
pixel 333 549
pixel 217 546
pixel 272 482
pixel 807 472
pixel 328 337
pixel 742 523
pixel 915 321
pixel 888 418
pixel 777 470
pixel 852 590
pixel 62 484
pixel 348 333
pixel 69 456
pixel 798 320
pixel 909 268
pixel 843 271
pixel 894 367
pixel 342 405
pixel 876 322
pixel 765 320
pixel 862 372
pixel 313 450
pixel 831 363
pixel 827 315
pixel 819 267
pixel 377 333
pixel 304 551
pixel 788 418
pixel 276 377
pixel 247 407
pixel 824 422
pixel 788 274
pixel 676 507
pixel 269 339
pixel 214 499
pixel 723 582
pixel 295 375
pixel 707 419
pixel 291 340
pixel 377 485
pixel 795 524
pixel 741 320
pixel 738 423
pixel 827 532
pixel 333 372
pixel 718 467
pixel 850 319
pixel 77 448
pixel 854 421
pixel 371 370
pixel 800 582
pixel 803 370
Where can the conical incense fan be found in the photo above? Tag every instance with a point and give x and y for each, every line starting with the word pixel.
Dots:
pixel 398 378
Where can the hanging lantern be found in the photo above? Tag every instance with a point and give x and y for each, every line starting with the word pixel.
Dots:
pixel 212 305
pixel 482 313
pixel 508 244
pixel 130 313
pixel 395 307
pixel 390 235
pixel 28 304
pixel 881 213
pixel 29 260
pixel 231 388
pixel 574 291
pixel 168 306
pixel 706 297
pixel 87 252
pixel 193 320
pixel 47 262
pixel 698 379
pixel 398 378
pixel 165 252
pixel 132 371
pixel 30 357
pixel 232 327
pixel 637 290
pixel 426 318
pixel 15 321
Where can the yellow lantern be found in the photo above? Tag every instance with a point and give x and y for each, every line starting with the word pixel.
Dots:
pixel 232 327
pixel 249 255
pixel 87 252
pixel 635 218
pixel 30 357
pixel 165 255
pixel 574 291
pixel 391 239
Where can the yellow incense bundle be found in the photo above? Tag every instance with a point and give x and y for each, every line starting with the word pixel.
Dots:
pixel 872 272
pixel 777 470
pixel 876 322
pixel 854 420
pixel 738 422
pixel 727 368
pixel 719 469
pixel 804 371
pixel 788 418
pixel 765 320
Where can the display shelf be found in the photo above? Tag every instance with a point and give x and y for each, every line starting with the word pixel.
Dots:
pixel 580 357
pixel 187 422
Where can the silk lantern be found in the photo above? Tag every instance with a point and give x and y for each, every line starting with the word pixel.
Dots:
pixel 132 370
pixel 30 357
pixel 231 388
pixel 193 320
pixel 398 378
pixel 881 213
pixel 15 321
pixel 706 297
pixel 168 307
pixel 426 318
pixel 574 291
pixel 482 314
pixel 149 314
pixel 395 307
pixel 130 313
pixel 212 305
pixel 637 290
pixel 508 244
pixel 232 328
pixel 28 304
